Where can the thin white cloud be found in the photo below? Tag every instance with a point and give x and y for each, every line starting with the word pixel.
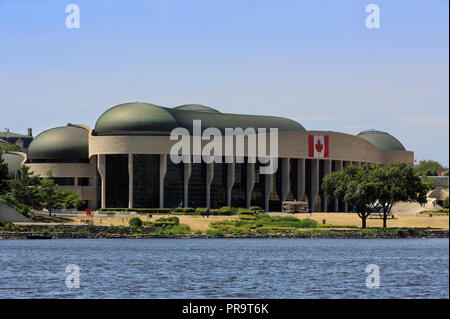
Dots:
pixel 315 118
pixel 355 127
pixel 424 121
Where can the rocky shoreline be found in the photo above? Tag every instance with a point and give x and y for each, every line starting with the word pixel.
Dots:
pixel 328 234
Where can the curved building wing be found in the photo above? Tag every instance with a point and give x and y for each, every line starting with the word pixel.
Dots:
pixel 382 140
pixel 67 143
pixel 150 119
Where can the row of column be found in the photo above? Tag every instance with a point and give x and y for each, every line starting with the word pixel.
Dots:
pixel 285 180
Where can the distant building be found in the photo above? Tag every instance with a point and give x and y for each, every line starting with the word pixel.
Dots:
pixel 14 138
pixel 443 172
pixel 124 160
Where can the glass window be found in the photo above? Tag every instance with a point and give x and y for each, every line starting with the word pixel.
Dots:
pixel 308 181
pixel 83 181
pixel 219 185
pixel 293 174
pixel 146 180
pixel 238 192
pixel 117 181
pixel 197 185
pixel 258 187
pixel 174 184
pixel 64 181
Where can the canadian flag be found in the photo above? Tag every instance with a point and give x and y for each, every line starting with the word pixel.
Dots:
pixel 317 146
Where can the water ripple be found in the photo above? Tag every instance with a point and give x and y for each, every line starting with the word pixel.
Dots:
pixel 225 268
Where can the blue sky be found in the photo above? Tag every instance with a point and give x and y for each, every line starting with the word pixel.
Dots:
pixel 313 61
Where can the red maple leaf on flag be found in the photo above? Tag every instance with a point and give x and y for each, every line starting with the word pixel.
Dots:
pixel 319 147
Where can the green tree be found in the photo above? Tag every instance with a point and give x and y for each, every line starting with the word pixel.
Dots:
pixel 4 186
pixel 398 182
pixel 353 186
pixel 445 203
pixel 51 197
pixel 10 148
pixel 430 183
pixel 428 168
pixel 71 199
pixel 25 188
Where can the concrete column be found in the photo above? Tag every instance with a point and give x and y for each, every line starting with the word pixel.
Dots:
pixel 230 181
pixel 268 181
pixel 326 171
pixel 314 181
pixel 337 167
pixel 250 182
pixel 130 180
pixel 285 165
pixel 187 176
pixel 75 181
pixel 101 167
pixel 162 176
pixel 209 179
pixel 301 177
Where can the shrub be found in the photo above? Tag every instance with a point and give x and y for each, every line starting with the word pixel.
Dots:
pixel 164 223
pixel 171 219
pixel 135 222
pixel 247 217
pixel 122 229
pixel 176 230
pixel 200 210
pixel 138 210
pixel 91 227
pixel 185 211
pixel 445 203
pixel 439 212
pixel 256 209
pixel 243 211
pixel 215 232
pixel 308 223
pixel 225 210
pixel 6 225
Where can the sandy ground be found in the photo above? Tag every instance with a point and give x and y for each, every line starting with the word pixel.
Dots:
pixel 422 221
pixel 195 222
pixel 406 215
pixel 341 219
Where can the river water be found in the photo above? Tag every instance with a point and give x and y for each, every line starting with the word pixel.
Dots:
pixel 224 268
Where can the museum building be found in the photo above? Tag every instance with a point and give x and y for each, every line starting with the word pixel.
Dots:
pixel 124 161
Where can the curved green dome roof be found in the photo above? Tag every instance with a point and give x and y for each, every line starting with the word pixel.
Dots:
pixel 196 107
pixel 382 140
pixel 135 117
pixel 14 161
pixel 62 143
pixel 149 119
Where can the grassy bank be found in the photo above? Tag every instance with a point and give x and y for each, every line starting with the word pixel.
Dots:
pixel 247 226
